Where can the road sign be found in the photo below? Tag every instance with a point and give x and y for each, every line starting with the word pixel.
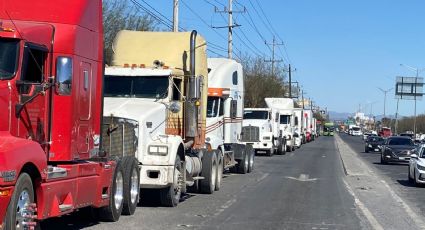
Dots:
pixel 409 88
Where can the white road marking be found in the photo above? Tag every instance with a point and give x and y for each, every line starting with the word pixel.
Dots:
pixel 302 178
pixel 417 219
pixel 262 177
pixel 366 212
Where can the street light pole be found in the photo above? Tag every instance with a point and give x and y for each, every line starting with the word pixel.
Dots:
pixel 417 70
pixel 385 98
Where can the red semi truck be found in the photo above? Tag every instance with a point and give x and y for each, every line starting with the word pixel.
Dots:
pixel 51 156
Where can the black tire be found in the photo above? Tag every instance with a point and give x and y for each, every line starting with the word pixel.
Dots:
pixel 244 163
pixel 111 213
pixel 194 188
pixel 251 152
pixel 366 150
pixel 220 169
pixel 269 153
pixel 170 196
pixel 409 176
pixel 209 165
pixel 131 185
pixel 23 184
pixel 293 148
pixel 281 147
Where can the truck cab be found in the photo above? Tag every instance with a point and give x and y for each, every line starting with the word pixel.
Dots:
pixel 225 114
pixel 262 130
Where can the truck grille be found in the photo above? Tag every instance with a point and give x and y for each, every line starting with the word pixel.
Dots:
pixel 119 136
pixel 250 134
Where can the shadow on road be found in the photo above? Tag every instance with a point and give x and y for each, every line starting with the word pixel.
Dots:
pixel 392 163
pixel 406 183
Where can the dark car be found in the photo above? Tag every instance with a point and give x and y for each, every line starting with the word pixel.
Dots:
pixel 397 149
pixel 373 143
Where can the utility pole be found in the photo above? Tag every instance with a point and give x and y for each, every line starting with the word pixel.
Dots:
pixel 290 82
pixel 396 119
pixel 385 97
pixel 176 16
pixel 273 60
pixel 230 26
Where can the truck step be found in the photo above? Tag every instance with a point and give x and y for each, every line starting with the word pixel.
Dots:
pixel 198 178
pixel 56 172
pixel 65 207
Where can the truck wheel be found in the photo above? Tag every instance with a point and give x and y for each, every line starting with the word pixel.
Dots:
pixel 21 205
pixel 251 153
pixel 171 195
pixel 244 163
pixel 131 185
pixel 220 168
pixel 209 172
pixel 112 212
pixel 270 152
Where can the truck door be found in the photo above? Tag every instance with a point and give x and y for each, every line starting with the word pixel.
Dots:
pixel 84 108
pixel 32 120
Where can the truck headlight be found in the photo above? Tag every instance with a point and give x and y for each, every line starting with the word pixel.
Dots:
pixel 267 138
pixel 370 146
pixel 159 150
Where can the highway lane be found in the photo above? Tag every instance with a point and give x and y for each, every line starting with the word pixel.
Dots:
pixel 394 174
pixel 300 190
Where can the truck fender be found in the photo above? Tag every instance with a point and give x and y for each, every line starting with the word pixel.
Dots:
pixel 18 154
pixel 175 149
pixel 215 142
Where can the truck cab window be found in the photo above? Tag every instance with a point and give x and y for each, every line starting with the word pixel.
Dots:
pixel 221 109
pixel 212 106
pixel 233 109
pixel 177 89
pixel 33 64
pixel 8 57
pixel 296 120
pixel 235 78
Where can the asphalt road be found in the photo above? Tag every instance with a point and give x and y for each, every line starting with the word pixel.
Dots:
pixel 394 174
pixel 300 190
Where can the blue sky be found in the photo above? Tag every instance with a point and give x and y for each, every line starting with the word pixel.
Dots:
pixel 342 50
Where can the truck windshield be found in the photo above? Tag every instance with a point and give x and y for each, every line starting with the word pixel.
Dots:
pixel 140 87
pixel 261 115
pixel 356 129
pixel 285 119
pixel 212 106
pixel 8 57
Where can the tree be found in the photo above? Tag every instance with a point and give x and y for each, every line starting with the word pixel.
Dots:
pixel 118 15
pixel 259 82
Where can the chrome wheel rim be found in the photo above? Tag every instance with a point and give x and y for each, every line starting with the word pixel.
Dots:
pixel 251 161
pixel 119 191
pixel 178 182
pixel 246 162
pixel 219 172
pixel 134 189
pixel 21 213
pixel 214 175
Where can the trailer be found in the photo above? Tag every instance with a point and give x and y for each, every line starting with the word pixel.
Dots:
pixel 261 130
pixel 53 145
pixel 160 80
pixel 225 116
pixel 285 106
pixel 300 126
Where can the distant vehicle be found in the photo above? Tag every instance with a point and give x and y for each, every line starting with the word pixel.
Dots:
pixel 407 134
pixel 328 130
pixel 373 143
pixel 385 132
pixel 356 131
pixel 416 173
pixel 298 140
pixel 397 149
pixel 368 134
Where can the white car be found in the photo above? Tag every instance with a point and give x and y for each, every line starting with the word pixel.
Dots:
pixel 298 140
pixel 416 173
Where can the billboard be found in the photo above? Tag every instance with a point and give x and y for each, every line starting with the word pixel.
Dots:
pixel 409 88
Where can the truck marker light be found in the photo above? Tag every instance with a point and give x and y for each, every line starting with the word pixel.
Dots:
pixel 197 103
pixel 133 66
pixel 4 29
pixel 126 65
pixel 5 192
pixel 142 66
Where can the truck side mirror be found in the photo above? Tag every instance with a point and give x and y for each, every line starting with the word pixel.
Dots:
pixel 63 75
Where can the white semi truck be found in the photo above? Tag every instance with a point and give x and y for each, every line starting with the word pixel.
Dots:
pixel 299 125
pixel 285 107
pixel 160 81
pixel 224 116
pixel 261 130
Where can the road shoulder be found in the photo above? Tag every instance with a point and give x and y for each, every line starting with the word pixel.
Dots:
pixel 382 207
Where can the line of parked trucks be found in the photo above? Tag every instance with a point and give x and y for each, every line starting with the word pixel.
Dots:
pixel 163 116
